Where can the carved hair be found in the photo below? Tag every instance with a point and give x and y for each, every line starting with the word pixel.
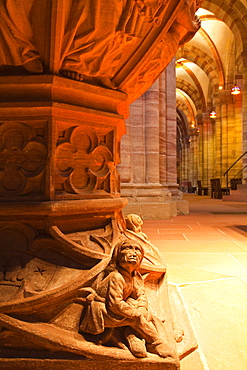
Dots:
pixel 117 249
pixel 133 222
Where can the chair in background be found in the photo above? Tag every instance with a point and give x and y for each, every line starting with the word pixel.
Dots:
pixel 201 190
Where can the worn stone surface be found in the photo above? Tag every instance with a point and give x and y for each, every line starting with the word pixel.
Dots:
pixel 29 364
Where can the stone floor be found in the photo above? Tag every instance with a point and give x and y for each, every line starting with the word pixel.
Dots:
pixel 206 256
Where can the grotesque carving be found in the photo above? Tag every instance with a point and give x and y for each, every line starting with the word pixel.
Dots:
pixel 120 301
pixel 58 258
pixel 134 223
pixel 79 294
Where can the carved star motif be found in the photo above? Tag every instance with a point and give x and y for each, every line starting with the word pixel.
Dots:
pixel 40 270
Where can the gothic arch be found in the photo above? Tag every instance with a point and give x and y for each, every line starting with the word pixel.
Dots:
pixel 191 92
pixel 203 60
pixel 234 14
pixel 185 109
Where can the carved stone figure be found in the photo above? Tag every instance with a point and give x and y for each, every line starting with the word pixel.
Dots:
pixel 74 293
pixel 122 45
pixel 134 223
pixel 120 301
pixel 160 53
pixel 93 46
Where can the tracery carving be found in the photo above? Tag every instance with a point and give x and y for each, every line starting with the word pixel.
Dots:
pixel 22 159
pixel 84 164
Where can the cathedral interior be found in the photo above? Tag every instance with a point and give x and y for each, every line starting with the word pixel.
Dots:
pixel 123 184
pixel 210 117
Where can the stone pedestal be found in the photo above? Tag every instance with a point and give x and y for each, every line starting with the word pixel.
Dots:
pixel 67 69
pixel 152 201
pixel 59 143
pixel 64 364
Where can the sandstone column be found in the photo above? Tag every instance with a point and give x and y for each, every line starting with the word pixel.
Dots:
pixel 171 126
pixel 152 133
pixel 68 72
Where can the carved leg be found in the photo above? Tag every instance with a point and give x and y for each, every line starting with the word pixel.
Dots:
pixel 113 337
pixel 155 344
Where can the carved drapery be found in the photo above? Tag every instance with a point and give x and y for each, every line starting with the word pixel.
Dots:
pixel 124 46
pixel 93 46
pixel 17 36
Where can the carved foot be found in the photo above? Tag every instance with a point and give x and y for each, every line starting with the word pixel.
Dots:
pixel 162 349
pixel 136 345
pixel 71 74
pixel 103 81
pixel 112 337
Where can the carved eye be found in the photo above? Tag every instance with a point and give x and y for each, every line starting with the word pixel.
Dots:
pixel 138 249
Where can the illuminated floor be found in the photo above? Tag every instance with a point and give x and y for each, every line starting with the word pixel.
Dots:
pixel 206 257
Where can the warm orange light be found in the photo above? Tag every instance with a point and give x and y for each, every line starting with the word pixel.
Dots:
pixel 235 90
pixel 212 114
pixel 220 87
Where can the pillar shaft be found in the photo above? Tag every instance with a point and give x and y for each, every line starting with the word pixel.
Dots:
pixel 171 125
pixel 152 133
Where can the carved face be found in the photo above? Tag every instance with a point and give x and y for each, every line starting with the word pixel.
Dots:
pixel 130 255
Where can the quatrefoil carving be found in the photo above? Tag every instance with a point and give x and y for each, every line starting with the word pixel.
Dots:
pixel 21 157
pixel 83 161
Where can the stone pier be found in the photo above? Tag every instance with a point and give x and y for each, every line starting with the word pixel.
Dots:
pixel 68 72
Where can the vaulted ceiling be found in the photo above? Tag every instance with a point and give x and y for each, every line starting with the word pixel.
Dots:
pixel 213 59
